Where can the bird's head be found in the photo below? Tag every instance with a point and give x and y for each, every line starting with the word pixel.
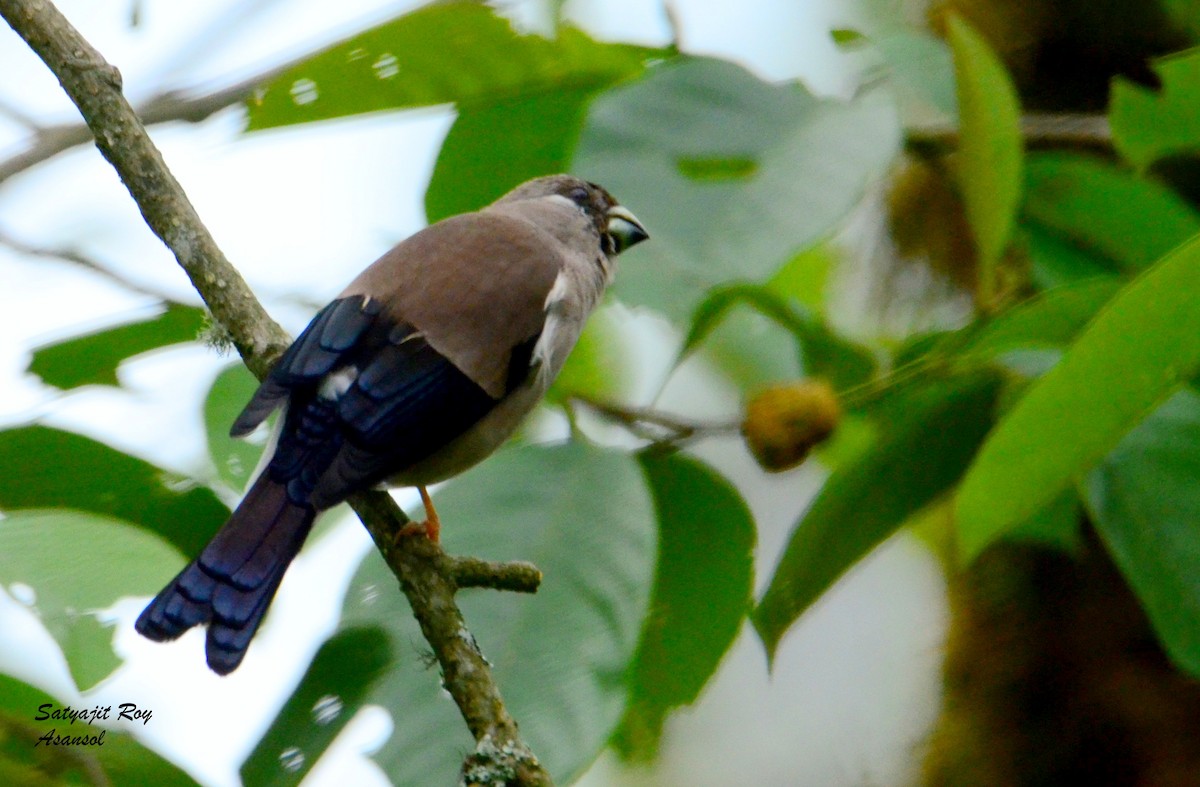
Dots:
pixel 617 226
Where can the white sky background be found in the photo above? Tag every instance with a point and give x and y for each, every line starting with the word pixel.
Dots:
pixel 301 211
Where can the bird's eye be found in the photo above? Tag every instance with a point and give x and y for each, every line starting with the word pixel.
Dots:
pixel 579 195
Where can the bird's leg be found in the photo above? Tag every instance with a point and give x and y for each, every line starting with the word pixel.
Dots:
pixel 433 525
pixel 431 528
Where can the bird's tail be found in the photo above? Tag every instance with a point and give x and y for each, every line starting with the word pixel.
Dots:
pixel 231 584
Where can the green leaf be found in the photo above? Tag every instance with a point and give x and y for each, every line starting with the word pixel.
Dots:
pixel 921 68
pixel 1145 503
pixel 846 37
pixel 805 277
pixel 121 760
pixel 702 590
pixel 989 147
pixel 1185 14
pixel 1051 319
pixel 822 352
pixel 93 359
pixel 442 53
pixel 929 435
pixel 812 159
pixel 560 657
pixel 340 675
pixel 46 468
pixel 1055 261
pixel 1148 125
pixel 1137 351
pixel 1106 211
pixel 1056 525
pixel 234 459
pixel 751 350
pixel 490 149
pixel 77 563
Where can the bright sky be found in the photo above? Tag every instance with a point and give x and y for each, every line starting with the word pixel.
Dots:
pixel 299 212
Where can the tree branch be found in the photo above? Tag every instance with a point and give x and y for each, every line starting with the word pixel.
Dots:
pixel 426 574
pixel 657 426
pixel 171 106
pixel 80 259
pixel 1040 131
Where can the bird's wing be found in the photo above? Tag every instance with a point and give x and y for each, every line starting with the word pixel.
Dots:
pixel 365 400
pixel 475 286
pixel 332 334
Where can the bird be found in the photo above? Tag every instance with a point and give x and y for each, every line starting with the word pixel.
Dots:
pixel 418 370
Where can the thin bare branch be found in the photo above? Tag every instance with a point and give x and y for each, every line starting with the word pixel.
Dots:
pixel 1040 132
pixel 657 426
pixel 170 106
pixel 77 258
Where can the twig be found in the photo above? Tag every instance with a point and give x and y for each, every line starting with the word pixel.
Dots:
pixel 171 106
pixel 671 428
pixel 95 87
pixel 472 572
pixel 1040 131
pixel 80 259
pixel 19 116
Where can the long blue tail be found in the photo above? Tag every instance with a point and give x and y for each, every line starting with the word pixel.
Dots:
pixel 231 584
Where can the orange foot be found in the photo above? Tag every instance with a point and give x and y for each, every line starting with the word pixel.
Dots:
pixel 431 528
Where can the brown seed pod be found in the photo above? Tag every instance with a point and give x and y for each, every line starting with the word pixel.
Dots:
pixel 784 422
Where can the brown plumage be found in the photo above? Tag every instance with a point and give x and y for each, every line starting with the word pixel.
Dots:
pixel 423 365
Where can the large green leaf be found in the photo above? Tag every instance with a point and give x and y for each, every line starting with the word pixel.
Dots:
pixel 751 350
pixel 442 53
pixel 931 433
pixel 918 62
pixel 921 68
pixel 702 590
pixel 235 459
pixel 1137 351
pixel 561 657
pixel 1145 503
pixel 491 149
pixel 1148 125
pixel 1185 14
pixel 93 359
pixel 120 760
pixel 822 353
pixel 1051 319
pixel 334 686
pixel 1055 260
pixel 989 147
pixel 1105 210
pixel 47 468
pixel 731 175
pixel 76 563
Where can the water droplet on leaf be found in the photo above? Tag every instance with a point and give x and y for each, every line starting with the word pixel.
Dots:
pixel 326 709
pixel 291 759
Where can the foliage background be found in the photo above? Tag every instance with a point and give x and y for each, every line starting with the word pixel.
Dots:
pixel 764 199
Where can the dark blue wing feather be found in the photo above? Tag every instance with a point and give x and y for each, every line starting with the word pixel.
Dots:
pixel 406 402
pixel 402 401
pixel 335 331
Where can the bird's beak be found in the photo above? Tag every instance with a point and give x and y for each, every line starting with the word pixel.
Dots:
pixel 624 228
